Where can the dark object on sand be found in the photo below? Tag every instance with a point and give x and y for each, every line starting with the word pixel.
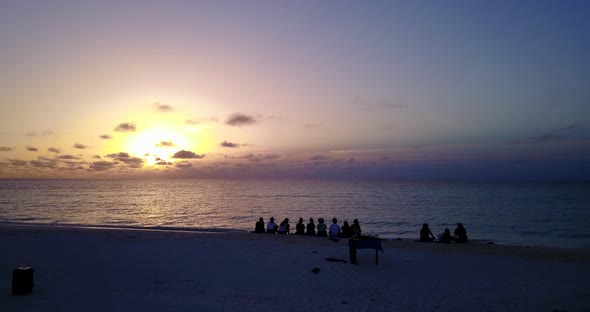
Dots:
pixel 22 281
pixel 491 243
pixel 363 243
pixel 335 240
pixel 335 260
pixel 316 270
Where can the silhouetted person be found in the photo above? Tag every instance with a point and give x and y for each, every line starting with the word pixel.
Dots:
pixel 284 227
pixel 310 228
pixel 300 228
pixel 334 228
pixel 259 228
pixel 460 234
pixel 346 230
pixel 356 227
pixel 426 234
pixel 271 226
pixel 322 228
pixel 445 237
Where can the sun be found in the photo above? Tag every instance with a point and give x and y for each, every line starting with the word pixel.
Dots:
pixel 157 140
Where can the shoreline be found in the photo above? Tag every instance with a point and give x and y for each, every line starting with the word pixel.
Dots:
pixel 97 269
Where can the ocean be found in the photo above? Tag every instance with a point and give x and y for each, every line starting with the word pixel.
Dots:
pixel 513 213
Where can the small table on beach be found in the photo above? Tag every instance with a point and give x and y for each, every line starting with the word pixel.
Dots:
pixel 354 244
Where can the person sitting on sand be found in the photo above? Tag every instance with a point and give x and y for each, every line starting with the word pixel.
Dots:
pixel 322 228
pixel 300 228
pixel 271 226
pixel 284 227
pixel 356 227
pixel 346 230
pixel 310 228
pixel 445 237
pixel 259 228
pixel 335 229
pixel 426 234
pixel 460 234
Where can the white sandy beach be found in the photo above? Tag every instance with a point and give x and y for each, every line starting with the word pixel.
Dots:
pixel 84 269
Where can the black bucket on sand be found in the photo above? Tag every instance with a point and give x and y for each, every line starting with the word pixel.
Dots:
pixel 22 281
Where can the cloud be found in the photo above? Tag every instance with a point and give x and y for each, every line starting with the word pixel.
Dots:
pixel 319 157
pixel 67 157
pixel 5 149
pixel 377 104
pixel 17 162
pixel 163 108
pixel 260 157
pixel 38 134
pixel 53 150
pixel 43 164
pixel 570 127
pixel 96 156
pixel 133 162
pixel 168 143
pixel 101 165
pixel 311 125
pixel 537 139
pixel 200 120
pixel 32 149
pixel 126 127
pixel 238 120
pixel 106 137
pixel 387 128
pixel 80 146
pixel 229 144
pixel 163 163
pixel 187 155
pixel 118 155
pixel 184 164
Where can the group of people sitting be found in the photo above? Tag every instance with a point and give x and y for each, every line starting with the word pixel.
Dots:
pixel 460 235
pixel 321 230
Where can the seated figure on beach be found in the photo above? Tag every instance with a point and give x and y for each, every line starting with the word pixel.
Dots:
pixel 460 234
pixel 300 227
pixel 284 227
pixel 426 234
pixel 259 228
pixel 346 230
pixel 271 226
pixel 445 237
pixel 310 228
pixel 322 228
pixel 334 229
pixel 356 227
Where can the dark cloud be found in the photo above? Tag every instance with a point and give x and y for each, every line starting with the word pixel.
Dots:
pixel 238 120
pixel 163 108
pixel 165 144
pixel 420 146
pixel 126 127
pixel 101 165
pixel 163 163
pixel 67 157
pixel 53 150
pixel 387 128
pixel 229 144
pixel 106 137
pixel 32 149
pixel 187 155
pixel 96 156
pixel 133 162
pixel 377 104
pixel 80 146
pixel 5 149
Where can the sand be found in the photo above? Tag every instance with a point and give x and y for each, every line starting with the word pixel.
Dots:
pixel 90 269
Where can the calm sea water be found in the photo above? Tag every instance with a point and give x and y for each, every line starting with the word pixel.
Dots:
pixel 539 214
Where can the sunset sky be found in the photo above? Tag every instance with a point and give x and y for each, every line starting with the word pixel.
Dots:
pixel 295 89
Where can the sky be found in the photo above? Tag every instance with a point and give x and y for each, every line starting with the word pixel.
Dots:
pixel 386 90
